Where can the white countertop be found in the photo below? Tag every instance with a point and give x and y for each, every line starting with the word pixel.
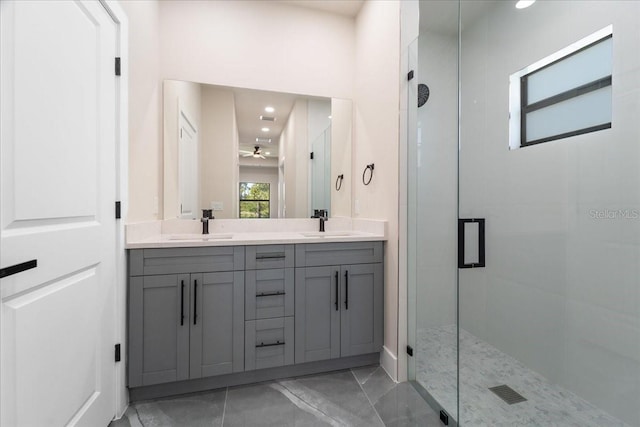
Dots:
pixel 240 232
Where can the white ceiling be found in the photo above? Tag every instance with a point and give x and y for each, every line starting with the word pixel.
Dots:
pixel 349 8
pixel 250 106
pixel 441 16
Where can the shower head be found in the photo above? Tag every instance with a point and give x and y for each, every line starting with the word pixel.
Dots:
pixel 423 94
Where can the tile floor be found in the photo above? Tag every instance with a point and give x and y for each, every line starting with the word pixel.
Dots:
pixel 483 366
pixel 358 397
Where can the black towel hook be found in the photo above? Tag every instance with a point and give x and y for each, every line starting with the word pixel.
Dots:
pixel 364 173
pixel 339 182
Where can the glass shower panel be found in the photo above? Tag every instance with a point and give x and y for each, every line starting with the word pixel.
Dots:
pixel 412 212
pixel 554 316
pixel 432 203
pixel 321 171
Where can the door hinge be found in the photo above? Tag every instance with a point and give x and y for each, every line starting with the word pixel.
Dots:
pixel 410 350
pixel 410 75
pixel 311 155
pixel 117 354
pixel 117 65
pixel 444 417
pixel 118 210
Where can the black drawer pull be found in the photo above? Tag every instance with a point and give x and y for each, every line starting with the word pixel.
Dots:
pixel 269 345
pixel 269 294
pixel 279 255
pixel 18 268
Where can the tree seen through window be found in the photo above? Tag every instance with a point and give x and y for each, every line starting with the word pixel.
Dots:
pixel 254 200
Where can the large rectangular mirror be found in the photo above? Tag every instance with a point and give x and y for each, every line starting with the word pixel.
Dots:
pixel 248 153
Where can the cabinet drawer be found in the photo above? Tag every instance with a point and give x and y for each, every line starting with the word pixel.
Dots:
pixel 319 254
pixel 269 256
pixel 185 260
pixel 268 343
pixel 269 293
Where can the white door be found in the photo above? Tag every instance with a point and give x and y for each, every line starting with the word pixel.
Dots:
pixel 57 194
pixel 188 167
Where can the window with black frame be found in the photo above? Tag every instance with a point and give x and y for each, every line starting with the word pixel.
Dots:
pixel 565 94
pixel 255 199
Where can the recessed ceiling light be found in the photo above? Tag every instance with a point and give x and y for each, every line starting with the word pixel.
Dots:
pixel 263 140
pixel 522 4
pixel 267 153
pixel 329 117
pixel 269 109
pixel 265 129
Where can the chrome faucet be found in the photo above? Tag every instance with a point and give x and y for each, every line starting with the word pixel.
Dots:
pixel 323 215
pixel 206 216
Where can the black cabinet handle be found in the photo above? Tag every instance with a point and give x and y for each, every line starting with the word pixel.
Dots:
pixel 182 303
pixel 337 292
pixel 18 268
pixel 269 345
pixel 269 294
pixel 195 302
pixel 279 255
pixel 346 285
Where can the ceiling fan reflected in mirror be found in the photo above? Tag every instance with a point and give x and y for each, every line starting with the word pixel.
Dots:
pixel 257 153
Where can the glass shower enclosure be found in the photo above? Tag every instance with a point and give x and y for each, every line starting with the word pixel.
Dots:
pixel 524 212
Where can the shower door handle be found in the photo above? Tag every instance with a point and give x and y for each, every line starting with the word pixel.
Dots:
pixel 464 225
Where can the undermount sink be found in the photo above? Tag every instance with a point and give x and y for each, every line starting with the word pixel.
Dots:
pixel 330 234
pixel 203 237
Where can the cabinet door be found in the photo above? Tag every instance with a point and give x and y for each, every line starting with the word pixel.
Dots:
pixel 158 332
pixel 217 324
pixel 361 315
pixel 317 314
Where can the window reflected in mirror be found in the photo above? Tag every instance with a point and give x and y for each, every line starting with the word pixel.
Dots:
pixel 255 200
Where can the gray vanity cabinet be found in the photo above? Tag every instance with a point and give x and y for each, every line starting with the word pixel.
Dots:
pixel 186 325
pixel 339 307
pixel 207 313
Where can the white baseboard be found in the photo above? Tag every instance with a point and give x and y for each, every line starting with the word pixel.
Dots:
pixel 389 363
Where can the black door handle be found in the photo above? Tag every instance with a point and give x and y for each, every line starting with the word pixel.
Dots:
pixel 346 285
pixel 461 242
pixel 337 292
pixel 18 268
pixel 182 303
pixel 195 302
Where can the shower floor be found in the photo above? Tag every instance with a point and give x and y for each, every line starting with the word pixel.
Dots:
pixel 483 366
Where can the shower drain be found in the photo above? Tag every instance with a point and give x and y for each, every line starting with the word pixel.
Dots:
pixel 507 394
